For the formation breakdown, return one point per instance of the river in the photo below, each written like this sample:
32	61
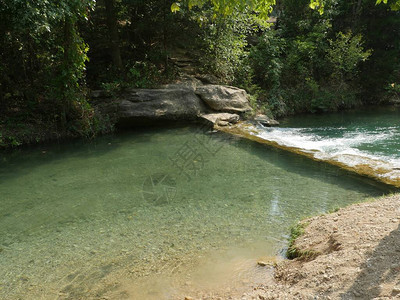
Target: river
161	213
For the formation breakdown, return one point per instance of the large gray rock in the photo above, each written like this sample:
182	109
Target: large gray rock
161	103
221	119
266	121
184	101
147	105
224	98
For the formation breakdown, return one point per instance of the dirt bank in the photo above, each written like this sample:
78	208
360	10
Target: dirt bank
355	254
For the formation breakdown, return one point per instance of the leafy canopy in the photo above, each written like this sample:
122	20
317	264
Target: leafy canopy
263	7
394	5
319	4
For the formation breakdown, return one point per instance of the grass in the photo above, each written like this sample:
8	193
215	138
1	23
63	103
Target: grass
295	232
293	251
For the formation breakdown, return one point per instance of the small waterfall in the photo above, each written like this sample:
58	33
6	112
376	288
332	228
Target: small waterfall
364	151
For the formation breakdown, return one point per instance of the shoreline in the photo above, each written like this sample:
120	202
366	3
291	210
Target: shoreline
35	135
356	255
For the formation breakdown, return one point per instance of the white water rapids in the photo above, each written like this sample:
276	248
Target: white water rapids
349	147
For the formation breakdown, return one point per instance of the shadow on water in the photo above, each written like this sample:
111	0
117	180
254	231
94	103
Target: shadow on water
25	159
381	266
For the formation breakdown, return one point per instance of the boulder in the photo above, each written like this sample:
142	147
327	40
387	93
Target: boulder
175	103
188	100
223	123
221	119
147	105
224	98
265	121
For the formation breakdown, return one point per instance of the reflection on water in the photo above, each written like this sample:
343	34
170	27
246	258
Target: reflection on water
154	213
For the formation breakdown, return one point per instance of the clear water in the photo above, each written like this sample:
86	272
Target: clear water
154	214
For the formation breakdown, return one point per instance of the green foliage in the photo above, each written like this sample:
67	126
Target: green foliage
295	232
344	55
394	5
304	66
314	60
143	75
45	65
224	44
6	141
293	251
393	92
223	7
266	60
139	75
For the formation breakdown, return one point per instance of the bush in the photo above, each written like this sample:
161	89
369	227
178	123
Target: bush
303	66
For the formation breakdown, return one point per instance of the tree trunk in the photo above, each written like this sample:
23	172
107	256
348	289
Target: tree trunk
165	10
357	10
65	87
113	32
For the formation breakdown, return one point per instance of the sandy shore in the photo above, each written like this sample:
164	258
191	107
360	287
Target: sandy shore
353	253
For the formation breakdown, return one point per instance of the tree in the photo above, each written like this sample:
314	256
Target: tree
263	7
44	60
113	32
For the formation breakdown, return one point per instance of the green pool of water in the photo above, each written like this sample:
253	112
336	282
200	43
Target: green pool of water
131	216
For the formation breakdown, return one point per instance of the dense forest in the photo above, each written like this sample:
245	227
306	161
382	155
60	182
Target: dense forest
291	56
